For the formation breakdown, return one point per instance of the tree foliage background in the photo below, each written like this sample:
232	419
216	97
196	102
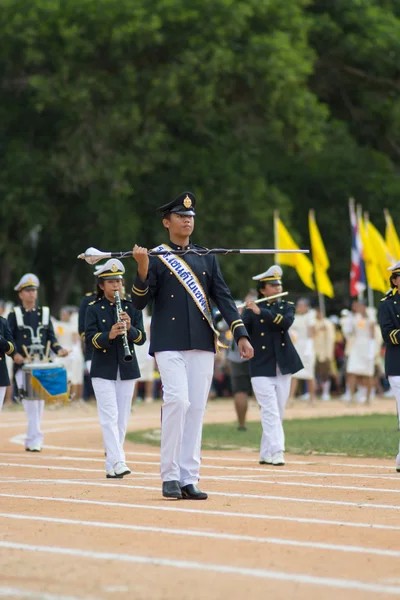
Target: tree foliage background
109	108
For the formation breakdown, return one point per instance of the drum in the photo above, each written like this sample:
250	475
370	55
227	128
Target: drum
45	381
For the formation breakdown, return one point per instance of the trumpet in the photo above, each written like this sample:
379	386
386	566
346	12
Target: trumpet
127	351
265	299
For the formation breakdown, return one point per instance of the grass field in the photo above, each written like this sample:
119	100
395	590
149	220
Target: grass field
369	435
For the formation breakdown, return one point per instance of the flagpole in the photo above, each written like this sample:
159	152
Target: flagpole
359	217
276	217
321	298
370	293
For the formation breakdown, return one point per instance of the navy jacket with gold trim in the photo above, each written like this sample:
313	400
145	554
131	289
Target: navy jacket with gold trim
389	321
108	355
177	323
269	335
32	318
7	346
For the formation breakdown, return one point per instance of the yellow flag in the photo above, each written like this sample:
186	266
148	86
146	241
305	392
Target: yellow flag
300	262
382	255
374	274
320	258
391	238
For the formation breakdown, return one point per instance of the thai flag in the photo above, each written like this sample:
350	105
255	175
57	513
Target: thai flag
358	280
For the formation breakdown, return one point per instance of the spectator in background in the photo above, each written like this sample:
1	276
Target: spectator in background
66	330
360	365
146	362
324	343
338	364
302	335
240	374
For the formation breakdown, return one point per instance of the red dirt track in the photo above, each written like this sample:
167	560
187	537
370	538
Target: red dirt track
320	527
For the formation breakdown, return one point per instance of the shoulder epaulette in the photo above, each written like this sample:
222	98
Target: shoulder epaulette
93	302
289	302
388	294
89	294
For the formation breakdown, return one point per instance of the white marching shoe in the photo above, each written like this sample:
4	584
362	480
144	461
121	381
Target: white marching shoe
121	469
34	448
278	459
265	460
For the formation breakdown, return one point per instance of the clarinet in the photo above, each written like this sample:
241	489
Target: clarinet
127	352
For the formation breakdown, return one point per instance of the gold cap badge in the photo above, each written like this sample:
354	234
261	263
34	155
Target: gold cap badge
277	273
187	203
114	268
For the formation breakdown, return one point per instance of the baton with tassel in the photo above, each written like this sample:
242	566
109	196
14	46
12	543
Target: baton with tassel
93	255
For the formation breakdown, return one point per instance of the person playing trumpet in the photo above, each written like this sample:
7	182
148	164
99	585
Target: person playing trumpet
113	376
274	362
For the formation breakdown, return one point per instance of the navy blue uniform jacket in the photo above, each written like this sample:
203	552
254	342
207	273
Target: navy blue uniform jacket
269	335
22	336
177	323
7	346
389	321
87	348
108	354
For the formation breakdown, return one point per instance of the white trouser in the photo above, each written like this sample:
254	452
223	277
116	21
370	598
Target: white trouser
186	378
394	381
2	395
34	413
114	402
272	394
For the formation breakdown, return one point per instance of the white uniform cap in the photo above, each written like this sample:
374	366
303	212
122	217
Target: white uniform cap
29	280
395	268
112	269
272	275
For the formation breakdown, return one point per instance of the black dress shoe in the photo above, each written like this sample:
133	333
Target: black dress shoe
171	489
192	492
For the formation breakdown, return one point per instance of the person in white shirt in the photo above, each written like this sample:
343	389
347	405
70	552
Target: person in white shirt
302	334
66	330
360	365
324	344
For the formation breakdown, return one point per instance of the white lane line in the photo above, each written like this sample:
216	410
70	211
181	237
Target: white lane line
126	486
230	459
298	578
255	470
177	509
45	422
210	535
19	440
225	478
266	471
9	592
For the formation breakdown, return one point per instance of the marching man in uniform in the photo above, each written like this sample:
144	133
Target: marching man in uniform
113	376
33	332
389	321
183	340
274	362
7	347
